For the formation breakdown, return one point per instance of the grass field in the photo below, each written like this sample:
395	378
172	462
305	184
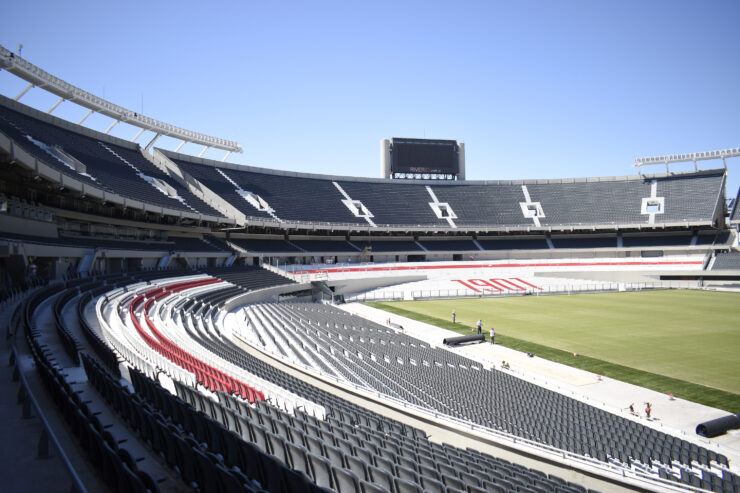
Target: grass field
681	342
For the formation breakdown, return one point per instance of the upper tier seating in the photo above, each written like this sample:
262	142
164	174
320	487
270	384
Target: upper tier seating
292	198
476	204
727	260
610	201
118	168
210	177
735	212
394	203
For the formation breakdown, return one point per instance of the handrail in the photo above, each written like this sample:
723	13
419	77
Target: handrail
30	399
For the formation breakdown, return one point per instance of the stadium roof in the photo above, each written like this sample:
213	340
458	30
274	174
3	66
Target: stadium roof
37	77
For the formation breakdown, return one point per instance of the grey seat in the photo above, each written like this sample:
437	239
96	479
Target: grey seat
452	482
259	436
320	471
429	472
276	446
470	479
314	445
297	458
383	463
381	477
403	486
334	455
432	485
408	462
493	487
357	466
345	481
367	487
407	474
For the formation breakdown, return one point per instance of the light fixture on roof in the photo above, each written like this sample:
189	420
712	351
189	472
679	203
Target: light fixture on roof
722	154
37	77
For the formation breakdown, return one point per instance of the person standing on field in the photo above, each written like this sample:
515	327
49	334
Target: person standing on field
479	325
492	333
453	315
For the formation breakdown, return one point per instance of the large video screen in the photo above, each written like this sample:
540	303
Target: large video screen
424	156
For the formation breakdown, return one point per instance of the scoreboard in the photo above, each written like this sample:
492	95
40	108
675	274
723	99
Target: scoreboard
421	158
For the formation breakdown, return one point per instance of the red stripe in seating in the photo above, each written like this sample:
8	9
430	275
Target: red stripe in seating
210	377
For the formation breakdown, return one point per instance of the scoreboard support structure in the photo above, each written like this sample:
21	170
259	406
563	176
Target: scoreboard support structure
422	159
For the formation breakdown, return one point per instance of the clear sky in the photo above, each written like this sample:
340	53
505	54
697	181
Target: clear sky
535	89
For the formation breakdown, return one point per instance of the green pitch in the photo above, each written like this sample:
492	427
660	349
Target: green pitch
687	336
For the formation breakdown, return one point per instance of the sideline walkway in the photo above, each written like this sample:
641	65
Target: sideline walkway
31	474
676	417
24	470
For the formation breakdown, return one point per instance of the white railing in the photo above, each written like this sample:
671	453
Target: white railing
400	295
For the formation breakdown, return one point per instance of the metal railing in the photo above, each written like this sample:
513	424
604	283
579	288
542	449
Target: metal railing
427	294
31	407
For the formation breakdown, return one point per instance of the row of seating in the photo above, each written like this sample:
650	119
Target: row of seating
353	247
289	453
382	360
727	261
112	461
688	197
182	439
113	165
211	377
346	442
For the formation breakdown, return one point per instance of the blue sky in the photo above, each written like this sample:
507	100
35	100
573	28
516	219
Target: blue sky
535	89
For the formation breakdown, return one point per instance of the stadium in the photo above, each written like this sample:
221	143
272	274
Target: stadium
180	323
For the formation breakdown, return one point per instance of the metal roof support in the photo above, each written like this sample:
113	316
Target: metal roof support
180	146
138	135
24	91
205	148
683	158
35	76
55	106
115	122
151	142
226	157
90	112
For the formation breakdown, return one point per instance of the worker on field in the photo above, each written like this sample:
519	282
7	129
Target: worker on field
492	333
453	315
479	325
